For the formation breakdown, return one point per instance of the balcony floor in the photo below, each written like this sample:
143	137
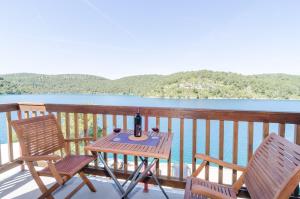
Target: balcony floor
19	184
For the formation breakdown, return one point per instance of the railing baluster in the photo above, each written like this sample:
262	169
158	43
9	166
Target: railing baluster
85	130
250	140
67	118
265	129
221	149
235	148
26	114
125	158
181	152
58	118
9	137
104	131
281	130
115	155
34	113
207	146
297	141
170	160
22	165
157	121
76	133
194	144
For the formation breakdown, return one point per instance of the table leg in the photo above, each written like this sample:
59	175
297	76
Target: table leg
111	174
134	174
134	182
146	189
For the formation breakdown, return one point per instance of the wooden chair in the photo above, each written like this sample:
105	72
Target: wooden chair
272	173
39	138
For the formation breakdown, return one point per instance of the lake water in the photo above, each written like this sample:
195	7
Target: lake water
262	105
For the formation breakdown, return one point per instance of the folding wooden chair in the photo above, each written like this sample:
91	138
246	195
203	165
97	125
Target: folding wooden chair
39	138
272	173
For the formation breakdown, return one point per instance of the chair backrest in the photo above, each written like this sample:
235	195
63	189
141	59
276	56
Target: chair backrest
39	135
274	170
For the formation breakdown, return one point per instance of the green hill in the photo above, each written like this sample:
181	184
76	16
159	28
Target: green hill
194	84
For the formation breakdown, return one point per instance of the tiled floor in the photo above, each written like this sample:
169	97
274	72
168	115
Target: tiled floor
17	184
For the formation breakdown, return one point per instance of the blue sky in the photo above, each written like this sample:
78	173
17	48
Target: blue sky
120	38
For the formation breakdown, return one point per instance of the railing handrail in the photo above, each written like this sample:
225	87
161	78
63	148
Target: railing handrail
187	113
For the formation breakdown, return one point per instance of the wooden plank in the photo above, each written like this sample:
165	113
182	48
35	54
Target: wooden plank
58	118
235	148
67	118
170	159
9	137
265	129
207	146
221	150
85	129
281	130
181	147
76	133
115	155
188	113
250	140
194	145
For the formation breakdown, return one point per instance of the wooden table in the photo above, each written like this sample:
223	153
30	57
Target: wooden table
144	152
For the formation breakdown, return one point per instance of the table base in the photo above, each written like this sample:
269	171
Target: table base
135	177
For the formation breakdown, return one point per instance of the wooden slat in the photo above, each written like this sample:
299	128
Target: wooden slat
281	130
67	118
9	137
265	129
76	133
181	147
58	118
207	146
85	129
114	117
170	160
235	148
250	140
221	149
194	145
297	141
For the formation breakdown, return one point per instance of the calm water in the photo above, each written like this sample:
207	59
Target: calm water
262	105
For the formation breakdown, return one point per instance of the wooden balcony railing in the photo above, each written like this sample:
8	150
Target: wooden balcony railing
88	122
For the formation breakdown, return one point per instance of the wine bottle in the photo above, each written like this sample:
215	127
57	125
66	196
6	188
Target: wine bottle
138	125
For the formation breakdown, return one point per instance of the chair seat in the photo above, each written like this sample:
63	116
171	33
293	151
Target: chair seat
198	188
69	165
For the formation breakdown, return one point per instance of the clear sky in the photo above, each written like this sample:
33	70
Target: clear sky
119	38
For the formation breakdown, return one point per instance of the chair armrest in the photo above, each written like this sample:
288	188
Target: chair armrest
79	139
204	191
40	157
220	162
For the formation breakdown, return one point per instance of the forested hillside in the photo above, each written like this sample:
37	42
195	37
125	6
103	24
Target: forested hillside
195	84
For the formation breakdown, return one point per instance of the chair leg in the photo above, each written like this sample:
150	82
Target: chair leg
45	192
87	181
